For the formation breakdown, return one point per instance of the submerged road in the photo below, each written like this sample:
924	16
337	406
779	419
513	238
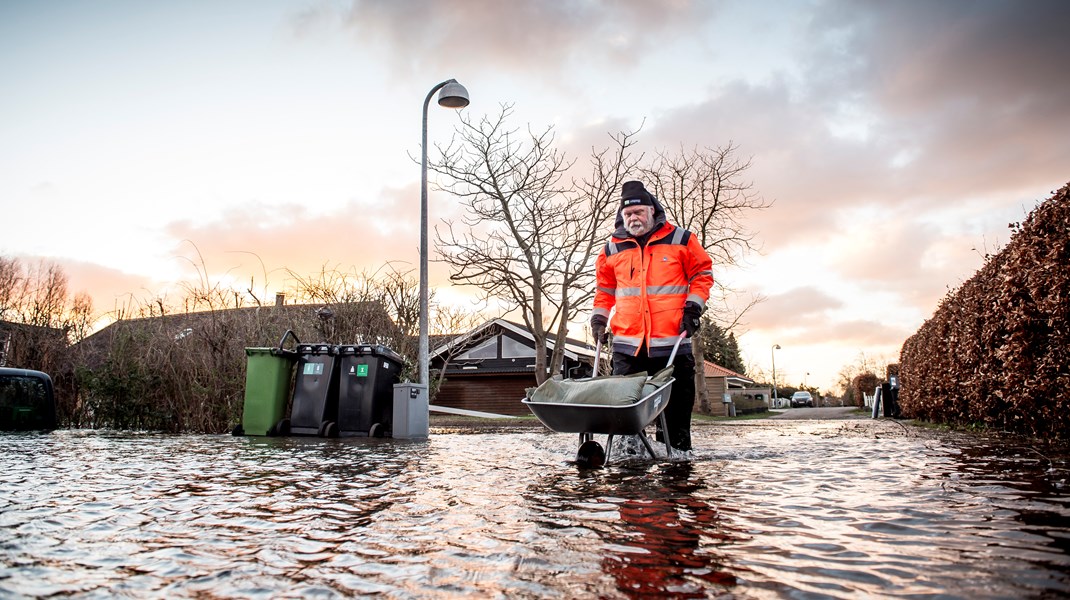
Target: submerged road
821	413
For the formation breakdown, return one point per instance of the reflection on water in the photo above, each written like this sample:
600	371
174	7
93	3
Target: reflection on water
799	509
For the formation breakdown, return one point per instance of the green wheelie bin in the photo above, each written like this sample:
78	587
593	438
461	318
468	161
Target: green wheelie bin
268	374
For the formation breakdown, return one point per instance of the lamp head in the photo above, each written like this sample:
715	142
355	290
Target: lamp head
453	95
776	347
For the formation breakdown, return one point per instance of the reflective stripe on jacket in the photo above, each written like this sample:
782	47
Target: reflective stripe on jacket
646	288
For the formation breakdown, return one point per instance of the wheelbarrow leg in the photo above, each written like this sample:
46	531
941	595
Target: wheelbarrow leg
665	434
609	447
646	442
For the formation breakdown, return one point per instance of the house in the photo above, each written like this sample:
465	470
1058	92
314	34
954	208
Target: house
722	383
356	322
31	346
489	368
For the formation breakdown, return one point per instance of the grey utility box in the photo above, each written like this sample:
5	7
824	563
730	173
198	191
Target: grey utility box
410	411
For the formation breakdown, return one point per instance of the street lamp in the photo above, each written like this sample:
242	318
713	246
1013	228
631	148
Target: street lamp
453	95
773	354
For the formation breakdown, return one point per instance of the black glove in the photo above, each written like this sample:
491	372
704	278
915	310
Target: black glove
692	320
598	329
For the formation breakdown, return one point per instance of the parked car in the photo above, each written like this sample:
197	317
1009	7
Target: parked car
27	401
802	399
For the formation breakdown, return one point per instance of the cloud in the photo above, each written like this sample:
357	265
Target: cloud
975	93
527	35
797	307
110	289
268	245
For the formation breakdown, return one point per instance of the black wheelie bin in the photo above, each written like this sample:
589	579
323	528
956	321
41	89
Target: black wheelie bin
315	403
367	374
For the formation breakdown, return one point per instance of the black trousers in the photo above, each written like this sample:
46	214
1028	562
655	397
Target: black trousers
682	398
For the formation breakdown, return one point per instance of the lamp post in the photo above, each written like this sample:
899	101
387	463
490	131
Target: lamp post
453	95
773	354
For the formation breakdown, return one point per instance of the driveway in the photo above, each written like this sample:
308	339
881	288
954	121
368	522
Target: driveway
824	412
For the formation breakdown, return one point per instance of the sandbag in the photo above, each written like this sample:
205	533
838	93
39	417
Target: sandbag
613	390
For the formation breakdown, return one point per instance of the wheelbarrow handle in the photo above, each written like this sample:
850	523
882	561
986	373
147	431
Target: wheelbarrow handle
676	347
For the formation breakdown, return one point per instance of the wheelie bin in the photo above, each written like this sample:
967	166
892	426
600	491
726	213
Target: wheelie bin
268	374
366	389
315	403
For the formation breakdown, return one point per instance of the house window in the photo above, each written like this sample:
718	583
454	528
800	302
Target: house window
488	349
513	349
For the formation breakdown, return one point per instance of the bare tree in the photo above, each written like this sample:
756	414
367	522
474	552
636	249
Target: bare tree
706	192
11	286
530	234
370	306
37	295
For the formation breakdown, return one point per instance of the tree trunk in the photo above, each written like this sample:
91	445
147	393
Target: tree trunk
701	392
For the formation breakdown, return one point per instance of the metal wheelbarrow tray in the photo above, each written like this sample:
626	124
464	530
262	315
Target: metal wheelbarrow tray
590	419
625	419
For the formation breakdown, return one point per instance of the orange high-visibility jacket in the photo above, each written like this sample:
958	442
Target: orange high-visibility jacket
646	288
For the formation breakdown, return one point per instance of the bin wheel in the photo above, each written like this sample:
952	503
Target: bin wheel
591	455
330	429
376	430
282	427
323	426
238	430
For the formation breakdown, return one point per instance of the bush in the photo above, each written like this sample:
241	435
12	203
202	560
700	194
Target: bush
997	350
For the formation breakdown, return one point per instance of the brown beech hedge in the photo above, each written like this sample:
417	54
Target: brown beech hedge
996	350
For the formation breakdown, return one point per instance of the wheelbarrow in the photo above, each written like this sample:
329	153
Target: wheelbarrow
589	419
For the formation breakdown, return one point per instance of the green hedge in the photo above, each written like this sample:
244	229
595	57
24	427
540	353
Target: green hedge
996	351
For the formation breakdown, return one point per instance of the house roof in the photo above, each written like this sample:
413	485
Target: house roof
179	320
300	318
573	348
715	370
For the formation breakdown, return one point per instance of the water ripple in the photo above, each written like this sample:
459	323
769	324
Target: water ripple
798	509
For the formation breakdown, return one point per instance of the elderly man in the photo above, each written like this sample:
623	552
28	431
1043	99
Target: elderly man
655	279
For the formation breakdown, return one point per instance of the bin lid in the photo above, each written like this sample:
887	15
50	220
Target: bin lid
321	348
272	351
373	349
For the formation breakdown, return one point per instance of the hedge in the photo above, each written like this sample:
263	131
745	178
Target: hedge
996	350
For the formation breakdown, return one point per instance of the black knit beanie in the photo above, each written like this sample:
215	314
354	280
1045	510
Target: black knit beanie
633	193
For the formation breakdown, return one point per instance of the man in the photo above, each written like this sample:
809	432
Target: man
655	278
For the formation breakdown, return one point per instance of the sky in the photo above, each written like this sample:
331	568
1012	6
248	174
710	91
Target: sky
145	144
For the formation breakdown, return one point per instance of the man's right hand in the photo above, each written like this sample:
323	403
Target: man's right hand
598	329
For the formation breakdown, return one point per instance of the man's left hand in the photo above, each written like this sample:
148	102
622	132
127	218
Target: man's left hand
692	319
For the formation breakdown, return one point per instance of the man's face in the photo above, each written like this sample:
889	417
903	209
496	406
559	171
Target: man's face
638	219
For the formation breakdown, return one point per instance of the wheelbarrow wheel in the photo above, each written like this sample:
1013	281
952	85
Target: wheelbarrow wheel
591	455
330	430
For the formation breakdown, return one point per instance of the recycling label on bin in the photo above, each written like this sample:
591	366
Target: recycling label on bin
313	369
359	370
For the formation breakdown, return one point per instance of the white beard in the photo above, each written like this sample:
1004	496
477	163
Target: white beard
635	228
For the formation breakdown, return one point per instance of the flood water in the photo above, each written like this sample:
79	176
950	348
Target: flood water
765	509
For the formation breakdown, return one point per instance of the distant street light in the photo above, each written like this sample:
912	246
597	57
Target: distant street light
773	353
453	96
